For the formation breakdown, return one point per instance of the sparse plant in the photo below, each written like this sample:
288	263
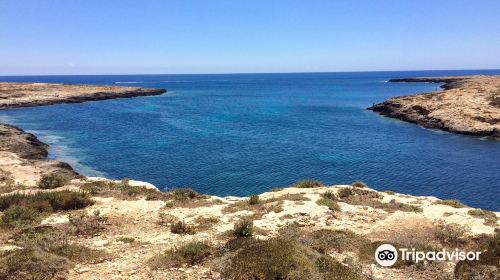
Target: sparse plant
332	205
243	228
345	192
181	227
254	200
490	218
205	223
330	195
84	224
191	253
32	264
166	219
58	200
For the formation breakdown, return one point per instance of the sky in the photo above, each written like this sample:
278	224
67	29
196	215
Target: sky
50	37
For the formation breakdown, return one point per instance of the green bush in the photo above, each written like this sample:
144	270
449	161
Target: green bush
253	200
330	195
332	205
243	228
452	202
359	184
191	253
31	264
280	258
308	184
53	180
58	200
18	215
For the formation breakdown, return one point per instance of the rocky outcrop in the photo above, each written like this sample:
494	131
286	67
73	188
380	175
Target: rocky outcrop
15	95
468	105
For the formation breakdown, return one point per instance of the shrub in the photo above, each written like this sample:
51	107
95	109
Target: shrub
32	264
181	227
329	194
452	235
277	189
191	253
243	228
359	184
452	202
280	258
253	200
332	205
58	200
53	180
487	267
345	192
325	240
20	216
308	184
84	224
184	193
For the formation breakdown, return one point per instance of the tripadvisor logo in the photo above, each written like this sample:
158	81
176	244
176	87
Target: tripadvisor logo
387	255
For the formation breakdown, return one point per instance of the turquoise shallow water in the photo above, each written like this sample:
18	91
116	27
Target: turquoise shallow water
241	134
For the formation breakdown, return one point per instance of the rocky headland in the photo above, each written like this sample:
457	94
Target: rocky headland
57	224
15	95
467	105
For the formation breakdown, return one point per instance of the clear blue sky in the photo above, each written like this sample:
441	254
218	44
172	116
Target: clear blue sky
189	36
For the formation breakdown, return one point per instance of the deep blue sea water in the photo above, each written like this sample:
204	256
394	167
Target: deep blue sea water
240	134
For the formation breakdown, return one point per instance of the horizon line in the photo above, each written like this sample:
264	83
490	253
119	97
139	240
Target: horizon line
249	73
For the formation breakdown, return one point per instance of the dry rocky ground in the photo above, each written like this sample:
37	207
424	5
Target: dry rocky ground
468	105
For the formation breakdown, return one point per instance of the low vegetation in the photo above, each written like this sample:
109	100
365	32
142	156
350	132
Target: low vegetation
487	267
53	180
452	202
254	200
451	235
331	204
490	218
188	254
88	225
180	227
306	184
282	258
243	228
364	197
25	209
46	254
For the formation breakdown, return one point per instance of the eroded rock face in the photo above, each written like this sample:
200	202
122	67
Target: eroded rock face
468	105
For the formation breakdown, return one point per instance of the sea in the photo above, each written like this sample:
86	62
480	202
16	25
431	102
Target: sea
243	134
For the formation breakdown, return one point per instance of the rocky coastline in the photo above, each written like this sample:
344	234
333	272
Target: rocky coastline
97	228
467	105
